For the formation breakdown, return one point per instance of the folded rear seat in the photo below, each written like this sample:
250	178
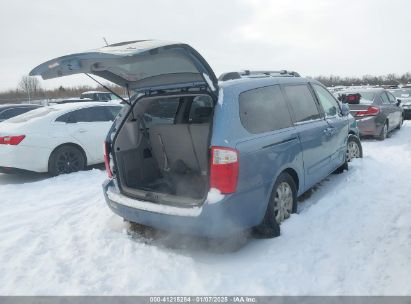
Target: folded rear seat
186	142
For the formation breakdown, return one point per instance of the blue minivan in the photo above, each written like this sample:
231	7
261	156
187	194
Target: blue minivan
197	155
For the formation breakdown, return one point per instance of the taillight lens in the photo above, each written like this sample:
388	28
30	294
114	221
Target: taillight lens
107	159
224	169
371	111
11	140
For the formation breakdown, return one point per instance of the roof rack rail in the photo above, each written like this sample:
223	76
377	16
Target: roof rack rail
256	74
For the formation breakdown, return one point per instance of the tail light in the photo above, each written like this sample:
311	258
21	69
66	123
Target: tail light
371	111
107	159
11	140
224	169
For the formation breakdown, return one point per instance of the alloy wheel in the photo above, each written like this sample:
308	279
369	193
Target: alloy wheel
353	150
283	202
68	161
385	130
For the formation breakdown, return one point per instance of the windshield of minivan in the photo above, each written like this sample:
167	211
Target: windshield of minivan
32	115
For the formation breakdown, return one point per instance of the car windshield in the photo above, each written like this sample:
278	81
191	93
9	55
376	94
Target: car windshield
404	93
32	115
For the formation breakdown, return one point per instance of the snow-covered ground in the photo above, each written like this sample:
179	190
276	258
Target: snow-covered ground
352	236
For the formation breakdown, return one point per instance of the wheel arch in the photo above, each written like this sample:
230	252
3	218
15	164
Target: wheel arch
72	145
294	175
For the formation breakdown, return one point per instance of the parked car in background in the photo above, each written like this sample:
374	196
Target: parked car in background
376	110
199	156
404	95
69	100
56	139
10	110
98	96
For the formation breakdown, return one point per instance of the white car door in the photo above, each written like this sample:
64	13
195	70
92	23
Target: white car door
89	126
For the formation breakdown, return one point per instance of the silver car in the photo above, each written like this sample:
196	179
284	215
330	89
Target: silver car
376	110
404	94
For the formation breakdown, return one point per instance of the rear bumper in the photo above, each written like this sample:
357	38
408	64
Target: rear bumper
369	126
24	158
234	213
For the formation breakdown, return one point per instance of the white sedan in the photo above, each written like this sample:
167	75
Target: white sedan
56	139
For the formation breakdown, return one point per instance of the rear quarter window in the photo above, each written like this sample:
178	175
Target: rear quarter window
92	114
263	110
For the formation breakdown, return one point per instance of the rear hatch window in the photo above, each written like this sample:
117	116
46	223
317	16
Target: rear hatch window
361	97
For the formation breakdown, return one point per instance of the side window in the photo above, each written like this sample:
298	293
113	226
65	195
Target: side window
391	98
64	118
327	101
113	111
384	98
104	96
93	114
263	110
302	102
13	112
201	109
161	111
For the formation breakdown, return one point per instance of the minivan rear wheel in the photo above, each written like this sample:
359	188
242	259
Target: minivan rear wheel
354	148
283	202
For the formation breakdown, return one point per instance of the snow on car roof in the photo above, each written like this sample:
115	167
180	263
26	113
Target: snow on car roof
56	109
94	92
17	105
81	104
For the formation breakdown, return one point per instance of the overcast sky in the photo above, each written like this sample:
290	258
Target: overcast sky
317	37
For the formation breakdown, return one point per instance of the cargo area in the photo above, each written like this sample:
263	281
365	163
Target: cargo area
162	149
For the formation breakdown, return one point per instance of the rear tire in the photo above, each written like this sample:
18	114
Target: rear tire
354	148
401	122
384	132
283	202
66	159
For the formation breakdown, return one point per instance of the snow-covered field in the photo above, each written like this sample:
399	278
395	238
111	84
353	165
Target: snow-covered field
352	236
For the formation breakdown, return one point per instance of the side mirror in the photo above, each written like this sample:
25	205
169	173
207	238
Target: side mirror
398	102
345	109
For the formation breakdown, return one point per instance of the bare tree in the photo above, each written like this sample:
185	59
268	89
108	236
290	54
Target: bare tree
30	85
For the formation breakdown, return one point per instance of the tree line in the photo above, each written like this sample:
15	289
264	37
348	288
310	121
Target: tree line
389	79
30	88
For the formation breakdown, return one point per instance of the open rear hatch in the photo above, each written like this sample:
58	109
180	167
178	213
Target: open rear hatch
161	146
139	65
162	149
